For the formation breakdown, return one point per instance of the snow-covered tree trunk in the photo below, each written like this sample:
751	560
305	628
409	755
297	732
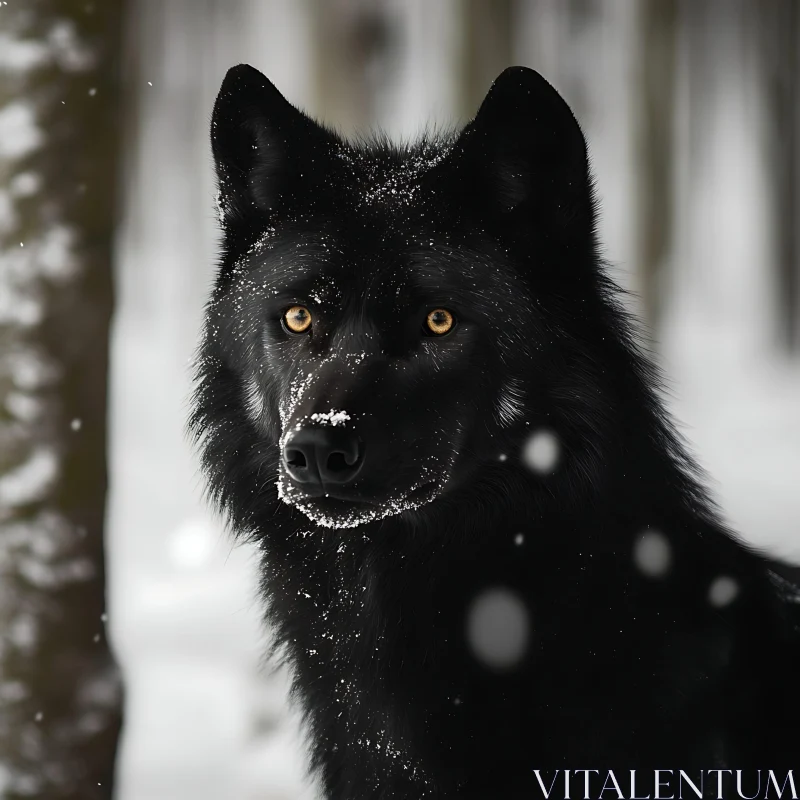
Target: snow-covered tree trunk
59	691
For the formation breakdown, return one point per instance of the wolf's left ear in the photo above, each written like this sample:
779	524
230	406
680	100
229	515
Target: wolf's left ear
265	150
526	145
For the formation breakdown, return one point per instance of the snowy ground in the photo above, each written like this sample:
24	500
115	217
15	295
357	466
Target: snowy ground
203	720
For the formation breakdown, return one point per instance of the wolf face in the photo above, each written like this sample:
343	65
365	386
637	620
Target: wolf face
392	332
391	318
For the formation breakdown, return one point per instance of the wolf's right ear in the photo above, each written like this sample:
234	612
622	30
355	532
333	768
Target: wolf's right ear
527	151
265	150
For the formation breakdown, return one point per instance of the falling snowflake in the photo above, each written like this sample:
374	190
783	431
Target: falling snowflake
723	591
652	554
542	452
498	628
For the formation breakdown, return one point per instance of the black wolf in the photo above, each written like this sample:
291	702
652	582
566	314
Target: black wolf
485	549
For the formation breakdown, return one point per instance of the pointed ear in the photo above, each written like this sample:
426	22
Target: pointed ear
262	145
527	147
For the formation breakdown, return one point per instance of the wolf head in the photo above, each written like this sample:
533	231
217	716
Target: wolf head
392	324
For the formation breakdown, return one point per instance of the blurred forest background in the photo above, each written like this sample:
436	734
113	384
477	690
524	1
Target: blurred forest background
107	246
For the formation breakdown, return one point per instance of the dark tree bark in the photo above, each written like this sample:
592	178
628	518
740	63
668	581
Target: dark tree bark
354	42
487	49
654	85
779	23
59	133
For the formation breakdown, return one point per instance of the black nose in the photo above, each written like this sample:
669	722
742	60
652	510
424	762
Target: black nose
323	456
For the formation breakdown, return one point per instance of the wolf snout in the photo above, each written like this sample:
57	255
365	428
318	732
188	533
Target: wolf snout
323	456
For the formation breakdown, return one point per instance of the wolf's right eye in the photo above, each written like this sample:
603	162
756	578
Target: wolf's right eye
297	319
439	321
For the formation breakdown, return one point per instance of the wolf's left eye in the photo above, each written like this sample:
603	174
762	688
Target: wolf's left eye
297	319
439	321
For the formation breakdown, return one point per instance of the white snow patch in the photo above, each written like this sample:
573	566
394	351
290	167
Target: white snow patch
25	184
219	201
53	576
68	51
50	257
395	185
263	242
21	632
31	480
55	252
30	372
23	310
332	418
61	46
23	406
19	134
13	692
21	55
359	516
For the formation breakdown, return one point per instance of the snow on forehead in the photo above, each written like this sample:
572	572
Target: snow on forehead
274	262
391	179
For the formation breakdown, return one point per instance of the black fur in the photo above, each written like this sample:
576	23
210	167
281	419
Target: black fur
497	223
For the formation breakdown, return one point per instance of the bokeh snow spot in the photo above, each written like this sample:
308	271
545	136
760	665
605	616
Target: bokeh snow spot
498	628
652	554
519	539
723	591
541	452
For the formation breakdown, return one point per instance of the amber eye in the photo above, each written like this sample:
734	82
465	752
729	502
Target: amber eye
297	319
440	321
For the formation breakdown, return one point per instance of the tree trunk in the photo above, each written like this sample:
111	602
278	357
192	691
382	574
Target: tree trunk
779	22
487	48
59	687
352	38
655	89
